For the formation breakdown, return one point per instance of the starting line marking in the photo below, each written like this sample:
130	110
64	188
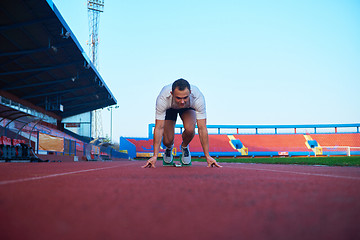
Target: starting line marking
300	173
58	174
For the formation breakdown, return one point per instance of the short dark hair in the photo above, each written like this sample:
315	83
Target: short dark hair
181	84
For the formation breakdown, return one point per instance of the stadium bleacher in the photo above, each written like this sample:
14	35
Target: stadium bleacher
271	144
142	145
46	77
338	139
260	144
339	143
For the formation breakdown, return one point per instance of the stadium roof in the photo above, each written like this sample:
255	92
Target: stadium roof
42	62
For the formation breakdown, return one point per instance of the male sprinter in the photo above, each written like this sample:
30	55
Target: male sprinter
187	101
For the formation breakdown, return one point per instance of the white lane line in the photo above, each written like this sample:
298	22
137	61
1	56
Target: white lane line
58	174
300	173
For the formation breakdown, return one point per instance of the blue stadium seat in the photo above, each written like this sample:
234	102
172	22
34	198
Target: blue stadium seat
312	143
237	143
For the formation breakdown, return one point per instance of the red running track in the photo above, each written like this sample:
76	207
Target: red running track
120	200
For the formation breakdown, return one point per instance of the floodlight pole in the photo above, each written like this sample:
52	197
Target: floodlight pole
95	7
111	108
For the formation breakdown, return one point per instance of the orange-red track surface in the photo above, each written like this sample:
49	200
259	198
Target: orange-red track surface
120	200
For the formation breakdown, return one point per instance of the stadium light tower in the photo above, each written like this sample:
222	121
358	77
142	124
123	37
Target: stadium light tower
110	109
95	7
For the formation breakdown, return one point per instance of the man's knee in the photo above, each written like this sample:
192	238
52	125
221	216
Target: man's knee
168	139
169	133
190	129
189	121
168	142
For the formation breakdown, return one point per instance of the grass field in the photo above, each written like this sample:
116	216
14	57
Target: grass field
353	161
329	161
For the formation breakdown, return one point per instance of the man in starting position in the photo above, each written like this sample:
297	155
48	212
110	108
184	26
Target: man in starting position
187	101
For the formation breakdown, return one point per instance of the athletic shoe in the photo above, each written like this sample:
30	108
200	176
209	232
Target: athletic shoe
168	157
185	156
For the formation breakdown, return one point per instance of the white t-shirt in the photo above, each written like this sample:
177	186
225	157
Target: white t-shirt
165	101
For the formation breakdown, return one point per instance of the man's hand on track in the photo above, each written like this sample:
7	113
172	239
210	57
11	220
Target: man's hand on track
212	162
150	163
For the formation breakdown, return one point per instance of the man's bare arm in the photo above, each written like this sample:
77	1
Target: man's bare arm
204	139
158	133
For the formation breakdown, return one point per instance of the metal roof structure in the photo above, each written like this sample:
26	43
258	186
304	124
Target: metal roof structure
41	61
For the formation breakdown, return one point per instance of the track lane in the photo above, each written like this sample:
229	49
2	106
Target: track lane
124	201
274	168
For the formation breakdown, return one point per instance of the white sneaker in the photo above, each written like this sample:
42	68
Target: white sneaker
168	157
186	156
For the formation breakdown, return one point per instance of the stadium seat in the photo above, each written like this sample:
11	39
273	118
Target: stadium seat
1	151
338	139
7	149
237	143
18	148
312	143
260	144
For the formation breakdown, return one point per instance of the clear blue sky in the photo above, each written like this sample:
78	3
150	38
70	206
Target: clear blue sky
257	62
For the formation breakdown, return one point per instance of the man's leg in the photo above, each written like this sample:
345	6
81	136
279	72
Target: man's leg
189	122
168	141
169	133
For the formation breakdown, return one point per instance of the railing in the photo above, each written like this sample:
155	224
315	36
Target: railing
272	129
